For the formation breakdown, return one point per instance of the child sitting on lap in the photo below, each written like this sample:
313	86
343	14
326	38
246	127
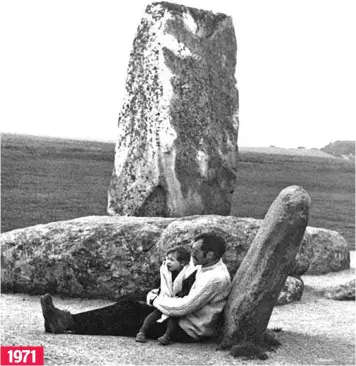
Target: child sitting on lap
176	268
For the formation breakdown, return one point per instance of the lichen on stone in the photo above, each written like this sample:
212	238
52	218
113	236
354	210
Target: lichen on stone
180	99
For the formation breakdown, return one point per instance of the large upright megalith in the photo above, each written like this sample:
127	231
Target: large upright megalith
177	142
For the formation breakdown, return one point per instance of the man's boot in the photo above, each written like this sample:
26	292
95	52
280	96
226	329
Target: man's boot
56	320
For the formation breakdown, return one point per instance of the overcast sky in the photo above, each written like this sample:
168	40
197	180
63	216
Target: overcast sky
63	67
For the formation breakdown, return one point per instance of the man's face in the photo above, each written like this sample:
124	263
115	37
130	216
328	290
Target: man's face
198	255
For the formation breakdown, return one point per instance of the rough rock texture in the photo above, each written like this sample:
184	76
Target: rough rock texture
104	256
345	291
292	291
177	138
321	251
87	257
327	250
237	232
260	278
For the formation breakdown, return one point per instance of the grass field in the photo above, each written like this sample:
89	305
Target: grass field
47	179
329	181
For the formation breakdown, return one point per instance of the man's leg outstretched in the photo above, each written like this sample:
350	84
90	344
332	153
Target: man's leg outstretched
123	318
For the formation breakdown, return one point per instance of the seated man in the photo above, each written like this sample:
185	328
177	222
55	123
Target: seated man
198	312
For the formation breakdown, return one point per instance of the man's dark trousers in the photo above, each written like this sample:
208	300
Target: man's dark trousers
123	318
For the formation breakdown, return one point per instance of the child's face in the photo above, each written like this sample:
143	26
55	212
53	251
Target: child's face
172	262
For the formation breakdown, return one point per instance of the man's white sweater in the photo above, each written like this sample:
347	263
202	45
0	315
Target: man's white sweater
200	309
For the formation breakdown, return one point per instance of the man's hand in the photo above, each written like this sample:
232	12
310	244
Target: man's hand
151	296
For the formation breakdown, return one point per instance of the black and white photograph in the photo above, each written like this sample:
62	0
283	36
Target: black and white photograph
177	182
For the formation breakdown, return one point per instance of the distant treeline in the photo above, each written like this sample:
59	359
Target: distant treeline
339	148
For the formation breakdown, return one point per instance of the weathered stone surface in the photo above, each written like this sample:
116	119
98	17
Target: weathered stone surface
106	256
327	251
237	232
109	256
86	257
260	278
344	291
321	251
292	291
301	259
177	139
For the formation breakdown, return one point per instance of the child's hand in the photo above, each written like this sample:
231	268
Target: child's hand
151	296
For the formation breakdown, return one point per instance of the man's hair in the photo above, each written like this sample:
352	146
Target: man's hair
212	242
182	252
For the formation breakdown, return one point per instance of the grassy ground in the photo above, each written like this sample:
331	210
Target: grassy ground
315	331
330	183
45	180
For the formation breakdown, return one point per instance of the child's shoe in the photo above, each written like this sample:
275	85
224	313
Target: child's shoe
165	340
141	337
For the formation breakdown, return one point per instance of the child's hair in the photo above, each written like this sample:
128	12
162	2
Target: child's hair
182	253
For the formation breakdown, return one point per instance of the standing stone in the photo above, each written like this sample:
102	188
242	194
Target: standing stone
265	267
177	137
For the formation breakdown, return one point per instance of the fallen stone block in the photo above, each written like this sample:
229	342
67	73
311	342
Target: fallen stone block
111	256
344	291
327	251
292	291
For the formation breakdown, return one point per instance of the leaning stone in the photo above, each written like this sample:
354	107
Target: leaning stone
177	138
345	291
292	291
265	267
